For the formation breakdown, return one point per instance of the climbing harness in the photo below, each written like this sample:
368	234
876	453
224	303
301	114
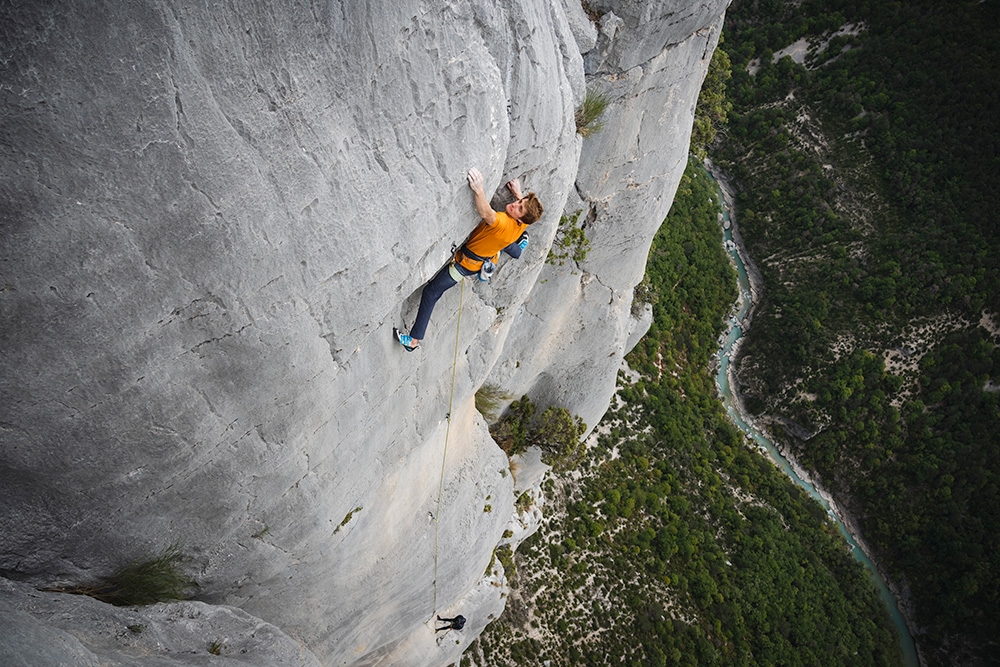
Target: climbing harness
464	249
488	267
447	436
455	274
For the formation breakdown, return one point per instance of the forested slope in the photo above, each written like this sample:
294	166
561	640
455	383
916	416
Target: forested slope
677	544
868	174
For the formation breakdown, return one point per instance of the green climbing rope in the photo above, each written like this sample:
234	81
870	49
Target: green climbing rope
447	435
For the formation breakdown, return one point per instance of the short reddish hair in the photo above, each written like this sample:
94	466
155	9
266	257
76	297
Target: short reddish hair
532	209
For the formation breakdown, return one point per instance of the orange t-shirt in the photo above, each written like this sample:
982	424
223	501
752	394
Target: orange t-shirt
489	240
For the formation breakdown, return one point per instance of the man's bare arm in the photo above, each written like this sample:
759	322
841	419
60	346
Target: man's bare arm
487	213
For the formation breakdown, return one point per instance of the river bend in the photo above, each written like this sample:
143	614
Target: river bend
730	343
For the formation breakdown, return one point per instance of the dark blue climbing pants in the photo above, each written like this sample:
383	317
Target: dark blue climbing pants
440	284
433	290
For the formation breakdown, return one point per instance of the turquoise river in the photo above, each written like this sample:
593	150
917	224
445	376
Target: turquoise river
765	445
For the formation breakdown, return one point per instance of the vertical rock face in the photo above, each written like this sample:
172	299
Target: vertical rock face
569	336
212	217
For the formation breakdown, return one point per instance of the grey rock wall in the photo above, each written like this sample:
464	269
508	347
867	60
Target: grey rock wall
568	337
42	628
211	217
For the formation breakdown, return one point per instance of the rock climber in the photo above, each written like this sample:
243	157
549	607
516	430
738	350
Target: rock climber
456	623
499	230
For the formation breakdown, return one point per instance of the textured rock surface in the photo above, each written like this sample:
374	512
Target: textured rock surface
41	629
569	335
213	215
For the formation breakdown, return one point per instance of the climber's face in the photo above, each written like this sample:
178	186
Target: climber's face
516	209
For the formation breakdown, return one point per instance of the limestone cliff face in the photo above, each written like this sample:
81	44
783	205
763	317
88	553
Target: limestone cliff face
212	216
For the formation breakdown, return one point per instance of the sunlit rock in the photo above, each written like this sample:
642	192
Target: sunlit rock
214	215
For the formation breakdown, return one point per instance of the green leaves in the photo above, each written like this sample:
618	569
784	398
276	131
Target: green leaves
588	115
713	105
556	432
867	183
676	544
571	242
142	581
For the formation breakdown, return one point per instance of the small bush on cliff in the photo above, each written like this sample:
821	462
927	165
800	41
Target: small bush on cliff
556	432
513	431
642	294
489	398
571	241
148	581
505	555
588	115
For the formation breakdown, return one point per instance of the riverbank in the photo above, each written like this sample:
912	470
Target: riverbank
892	595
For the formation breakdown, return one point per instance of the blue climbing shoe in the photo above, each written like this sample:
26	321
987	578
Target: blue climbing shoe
405	340
522	242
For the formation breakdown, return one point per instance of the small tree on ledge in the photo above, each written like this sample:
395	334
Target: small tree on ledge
556	432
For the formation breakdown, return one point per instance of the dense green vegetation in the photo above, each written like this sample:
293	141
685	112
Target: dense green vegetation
867	177
680	545
556	432
929	471
713	107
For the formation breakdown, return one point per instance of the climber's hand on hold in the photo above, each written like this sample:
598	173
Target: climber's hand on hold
476	180
488	215
514	186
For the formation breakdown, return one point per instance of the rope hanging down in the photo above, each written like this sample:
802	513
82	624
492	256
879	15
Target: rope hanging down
447	435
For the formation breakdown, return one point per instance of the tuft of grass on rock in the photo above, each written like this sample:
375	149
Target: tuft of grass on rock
347	520
588	115
141	582
148	581
489	400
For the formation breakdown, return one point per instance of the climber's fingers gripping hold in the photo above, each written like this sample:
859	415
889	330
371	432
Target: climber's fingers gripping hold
475	180
515	188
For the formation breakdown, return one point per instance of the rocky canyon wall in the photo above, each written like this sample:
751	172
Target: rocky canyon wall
212	216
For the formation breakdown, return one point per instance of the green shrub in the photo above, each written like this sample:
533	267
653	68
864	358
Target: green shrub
506	557
558	435
157	579
489	400
642	294
556	432
571	241
524	501
347	519
588	115
512	433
